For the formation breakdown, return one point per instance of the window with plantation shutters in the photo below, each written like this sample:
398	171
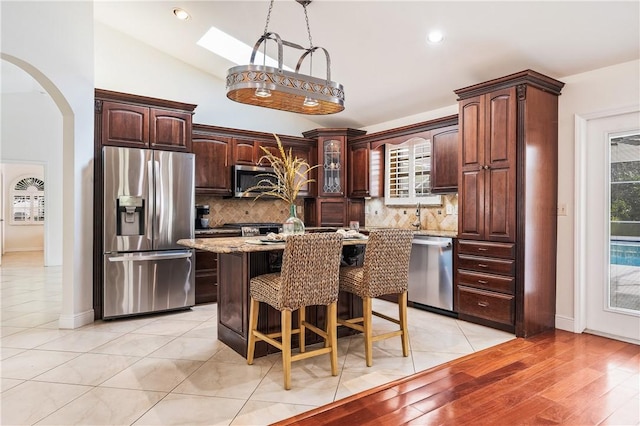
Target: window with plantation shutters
408	173
27	202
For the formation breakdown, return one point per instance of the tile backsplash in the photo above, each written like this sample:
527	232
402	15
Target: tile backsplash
234	210
434	218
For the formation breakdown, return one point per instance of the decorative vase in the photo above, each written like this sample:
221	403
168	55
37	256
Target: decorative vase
293	225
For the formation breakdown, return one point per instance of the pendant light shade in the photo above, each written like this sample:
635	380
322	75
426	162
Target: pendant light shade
277	88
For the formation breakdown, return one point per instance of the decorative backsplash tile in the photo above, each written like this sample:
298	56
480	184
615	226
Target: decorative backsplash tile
433	218
233	210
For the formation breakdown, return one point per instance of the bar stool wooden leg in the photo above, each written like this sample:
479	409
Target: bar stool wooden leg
332	336
253	325
302	317
402	308
286	347
368	330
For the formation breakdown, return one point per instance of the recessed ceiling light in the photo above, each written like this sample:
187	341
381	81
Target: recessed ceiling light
181	14
435	37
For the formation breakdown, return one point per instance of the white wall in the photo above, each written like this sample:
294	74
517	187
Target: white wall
126	65
600	90
20	237
53	41
32	133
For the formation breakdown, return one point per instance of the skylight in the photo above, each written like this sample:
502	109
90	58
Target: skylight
232	49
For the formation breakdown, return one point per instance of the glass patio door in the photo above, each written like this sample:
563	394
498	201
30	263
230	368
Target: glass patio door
613	227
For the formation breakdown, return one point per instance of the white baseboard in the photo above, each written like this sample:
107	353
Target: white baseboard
566	324
72	321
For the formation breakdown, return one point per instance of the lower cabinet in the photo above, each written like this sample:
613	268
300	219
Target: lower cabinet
485	277
206	277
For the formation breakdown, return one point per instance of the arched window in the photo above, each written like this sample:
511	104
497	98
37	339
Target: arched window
27	196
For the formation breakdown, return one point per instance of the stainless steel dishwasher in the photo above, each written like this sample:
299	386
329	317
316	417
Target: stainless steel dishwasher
431	272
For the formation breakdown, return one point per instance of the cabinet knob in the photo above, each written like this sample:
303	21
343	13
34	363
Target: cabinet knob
486	167
483	304
483	282
482	265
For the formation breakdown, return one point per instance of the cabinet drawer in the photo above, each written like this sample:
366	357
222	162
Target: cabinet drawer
486	248
483	304
206	260
484	264
486	281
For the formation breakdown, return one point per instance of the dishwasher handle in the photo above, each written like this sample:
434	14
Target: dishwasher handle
423	242
157	256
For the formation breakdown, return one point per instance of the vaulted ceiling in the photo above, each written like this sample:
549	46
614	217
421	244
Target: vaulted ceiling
379	50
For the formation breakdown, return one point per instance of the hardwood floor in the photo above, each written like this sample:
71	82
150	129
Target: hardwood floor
556	377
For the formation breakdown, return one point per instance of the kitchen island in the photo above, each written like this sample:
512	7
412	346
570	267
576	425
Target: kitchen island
240	259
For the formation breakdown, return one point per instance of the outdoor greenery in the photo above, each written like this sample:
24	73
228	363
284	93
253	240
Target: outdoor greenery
625	191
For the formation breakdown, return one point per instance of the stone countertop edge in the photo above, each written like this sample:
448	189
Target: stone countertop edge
225	245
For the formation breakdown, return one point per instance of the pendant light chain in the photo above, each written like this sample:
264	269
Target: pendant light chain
306	17
266	26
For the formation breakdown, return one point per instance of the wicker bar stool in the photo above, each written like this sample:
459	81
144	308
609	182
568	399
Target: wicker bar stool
385	271
309	276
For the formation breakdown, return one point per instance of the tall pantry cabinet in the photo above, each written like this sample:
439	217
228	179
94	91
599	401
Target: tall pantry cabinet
507	183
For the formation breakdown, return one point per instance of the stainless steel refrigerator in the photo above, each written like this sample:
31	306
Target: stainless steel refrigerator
149	199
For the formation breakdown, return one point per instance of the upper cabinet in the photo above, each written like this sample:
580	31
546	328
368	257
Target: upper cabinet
244	151
213	162
444	159
365	170
331	174
136	121
218	149
420	160
487	166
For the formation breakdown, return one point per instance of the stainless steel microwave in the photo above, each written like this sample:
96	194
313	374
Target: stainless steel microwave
247	177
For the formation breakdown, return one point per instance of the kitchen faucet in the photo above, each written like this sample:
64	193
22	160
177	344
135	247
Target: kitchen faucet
417	224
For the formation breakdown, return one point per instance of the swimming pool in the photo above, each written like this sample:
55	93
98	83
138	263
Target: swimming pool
625	253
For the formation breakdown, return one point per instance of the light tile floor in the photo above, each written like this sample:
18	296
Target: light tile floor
171	369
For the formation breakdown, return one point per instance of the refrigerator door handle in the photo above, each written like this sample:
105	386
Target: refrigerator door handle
144	258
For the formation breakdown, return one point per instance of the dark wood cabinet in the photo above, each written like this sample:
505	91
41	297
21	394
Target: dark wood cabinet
330	207
169	130
244	152
365	170
213	162
488	166
444	160
331	212
507	186
141	122
355	211
125	125
206	277
358	169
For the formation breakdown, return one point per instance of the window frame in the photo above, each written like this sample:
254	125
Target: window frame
415	147
34	197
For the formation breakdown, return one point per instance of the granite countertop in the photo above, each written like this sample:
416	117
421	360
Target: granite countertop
218	231
241	244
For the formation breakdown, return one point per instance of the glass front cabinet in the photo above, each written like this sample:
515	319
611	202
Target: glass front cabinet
332	178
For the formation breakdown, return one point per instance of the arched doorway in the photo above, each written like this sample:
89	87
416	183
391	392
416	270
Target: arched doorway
53	147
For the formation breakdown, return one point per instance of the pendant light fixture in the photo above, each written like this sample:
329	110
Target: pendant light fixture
277	88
